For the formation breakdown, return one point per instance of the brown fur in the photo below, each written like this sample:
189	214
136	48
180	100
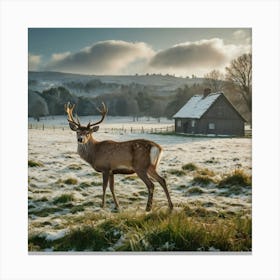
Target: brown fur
110	157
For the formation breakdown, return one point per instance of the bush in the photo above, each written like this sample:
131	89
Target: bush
189	167
236	178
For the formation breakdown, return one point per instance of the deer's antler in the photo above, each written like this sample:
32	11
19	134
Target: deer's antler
69	110
103	111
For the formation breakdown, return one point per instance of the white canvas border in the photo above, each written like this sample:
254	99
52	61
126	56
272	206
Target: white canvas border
17	16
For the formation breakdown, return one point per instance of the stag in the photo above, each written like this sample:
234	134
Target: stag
138	156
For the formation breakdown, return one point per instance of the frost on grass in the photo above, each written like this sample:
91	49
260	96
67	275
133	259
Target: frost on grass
189	229
209	193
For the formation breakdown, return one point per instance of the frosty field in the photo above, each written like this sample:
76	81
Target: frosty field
64	194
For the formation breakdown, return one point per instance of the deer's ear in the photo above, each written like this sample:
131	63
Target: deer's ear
73	126
94	129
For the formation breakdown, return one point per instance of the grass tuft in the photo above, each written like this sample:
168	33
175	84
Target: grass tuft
85	185
70	181
44	212
195	191
64	198
211	161
32	163
74	167
77	208
189	167
176	172
42	199
206	172
237	178
202	180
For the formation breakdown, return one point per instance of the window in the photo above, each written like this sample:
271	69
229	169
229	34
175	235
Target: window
193	123
179	123
211	126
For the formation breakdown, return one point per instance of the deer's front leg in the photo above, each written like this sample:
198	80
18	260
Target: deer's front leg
112	188
105	183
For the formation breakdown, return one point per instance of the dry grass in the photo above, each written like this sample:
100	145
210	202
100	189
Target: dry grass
237	178
189	229
32	163
189	167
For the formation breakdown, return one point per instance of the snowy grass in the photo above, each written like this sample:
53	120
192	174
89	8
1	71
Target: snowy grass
64	196
185	230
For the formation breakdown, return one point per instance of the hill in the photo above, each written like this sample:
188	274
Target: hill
93	85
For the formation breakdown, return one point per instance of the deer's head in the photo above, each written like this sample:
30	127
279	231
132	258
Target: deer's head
83	132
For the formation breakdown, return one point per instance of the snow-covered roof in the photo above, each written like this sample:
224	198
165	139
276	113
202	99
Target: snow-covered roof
197	106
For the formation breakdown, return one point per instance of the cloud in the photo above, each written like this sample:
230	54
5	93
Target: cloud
190	54
105	57
33	62
239	34
114	57
60	56
243	36
197	57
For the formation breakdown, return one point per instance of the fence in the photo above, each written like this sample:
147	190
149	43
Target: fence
123	129
248	132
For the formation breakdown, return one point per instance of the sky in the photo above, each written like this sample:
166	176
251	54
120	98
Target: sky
130	51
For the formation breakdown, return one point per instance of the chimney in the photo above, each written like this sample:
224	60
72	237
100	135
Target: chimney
206	92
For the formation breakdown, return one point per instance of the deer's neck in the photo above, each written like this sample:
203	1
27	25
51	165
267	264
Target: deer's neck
87	151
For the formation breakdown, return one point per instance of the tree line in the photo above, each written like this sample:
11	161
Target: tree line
136	104
142	101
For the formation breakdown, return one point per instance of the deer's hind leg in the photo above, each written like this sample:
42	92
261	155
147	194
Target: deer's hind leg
144	177
153	174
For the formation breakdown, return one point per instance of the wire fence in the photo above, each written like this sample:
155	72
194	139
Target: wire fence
123	129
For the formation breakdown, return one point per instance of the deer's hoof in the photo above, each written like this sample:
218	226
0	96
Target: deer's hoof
148	208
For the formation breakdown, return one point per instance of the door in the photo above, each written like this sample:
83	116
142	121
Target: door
186	127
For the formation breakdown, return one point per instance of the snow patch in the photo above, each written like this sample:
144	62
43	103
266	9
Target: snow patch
51	236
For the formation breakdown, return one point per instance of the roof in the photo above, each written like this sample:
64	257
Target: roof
197	106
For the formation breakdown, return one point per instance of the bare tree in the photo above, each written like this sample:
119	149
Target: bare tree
239	73
214	80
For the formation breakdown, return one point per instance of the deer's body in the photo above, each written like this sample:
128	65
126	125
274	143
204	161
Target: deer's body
138	156
120	157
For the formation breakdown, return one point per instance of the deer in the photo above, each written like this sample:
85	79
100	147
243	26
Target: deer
109	157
